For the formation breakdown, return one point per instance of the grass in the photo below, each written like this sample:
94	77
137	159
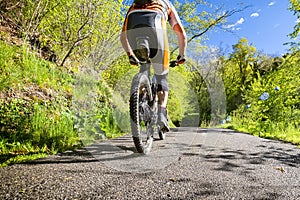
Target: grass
287	133
18	63
35	119
12	153
41	112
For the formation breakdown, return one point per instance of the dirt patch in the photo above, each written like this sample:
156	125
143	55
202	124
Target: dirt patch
29	93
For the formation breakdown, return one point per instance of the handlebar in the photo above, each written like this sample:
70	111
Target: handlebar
172	64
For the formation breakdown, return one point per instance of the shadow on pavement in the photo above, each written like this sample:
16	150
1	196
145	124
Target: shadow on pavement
226	147
221	146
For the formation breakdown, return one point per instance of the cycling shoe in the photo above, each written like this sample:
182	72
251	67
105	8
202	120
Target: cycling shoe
163	120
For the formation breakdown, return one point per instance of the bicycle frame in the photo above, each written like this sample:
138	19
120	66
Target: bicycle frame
149	106
144	102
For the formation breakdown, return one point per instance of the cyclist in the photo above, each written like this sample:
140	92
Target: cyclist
149	18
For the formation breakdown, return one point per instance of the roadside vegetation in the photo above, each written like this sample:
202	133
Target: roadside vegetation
271	102
64	78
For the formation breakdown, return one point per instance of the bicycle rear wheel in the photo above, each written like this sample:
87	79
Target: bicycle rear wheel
140	113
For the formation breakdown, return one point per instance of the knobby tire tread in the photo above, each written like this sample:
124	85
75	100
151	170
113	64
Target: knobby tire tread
138	80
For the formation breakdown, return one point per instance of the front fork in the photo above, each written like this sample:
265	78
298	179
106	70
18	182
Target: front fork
150	107
149	114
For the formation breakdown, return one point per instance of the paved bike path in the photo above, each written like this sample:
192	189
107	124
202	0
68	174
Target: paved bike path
190	164
121	155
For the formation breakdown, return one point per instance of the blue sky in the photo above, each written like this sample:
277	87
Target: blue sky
265	24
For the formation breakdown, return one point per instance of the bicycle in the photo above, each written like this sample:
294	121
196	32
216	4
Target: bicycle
144	105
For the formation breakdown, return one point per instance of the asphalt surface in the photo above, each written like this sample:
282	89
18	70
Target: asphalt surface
190	164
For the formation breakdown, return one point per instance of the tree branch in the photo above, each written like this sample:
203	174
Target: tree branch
214	23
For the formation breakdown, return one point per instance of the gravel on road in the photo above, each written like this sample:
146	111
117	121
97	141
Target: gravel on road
214	164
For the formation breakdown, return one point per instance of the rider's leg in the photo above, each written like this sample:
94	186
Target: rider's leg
162	82
160	63
163	98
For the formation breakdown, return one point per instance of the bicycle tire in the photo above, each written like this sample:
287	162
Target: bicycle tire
142	142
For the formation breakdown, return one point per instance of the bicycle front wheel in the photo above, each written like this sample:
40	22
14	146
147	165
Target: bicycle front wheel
140	113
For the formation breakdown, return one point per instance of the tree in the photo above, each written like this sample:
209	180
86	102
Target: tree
265	64
72	29
243	55
199	17
86	29
294	6
198	21
237	72
280	109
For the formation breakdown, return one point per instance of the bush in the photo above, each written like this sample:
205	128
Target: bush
272	104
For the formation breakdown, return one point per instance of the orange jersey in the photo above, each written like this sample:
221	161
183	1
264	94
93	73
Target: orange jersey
168	14
163	6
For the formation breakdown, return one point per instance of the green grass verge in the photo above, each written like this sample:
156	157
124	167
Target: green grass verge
38	113
288	134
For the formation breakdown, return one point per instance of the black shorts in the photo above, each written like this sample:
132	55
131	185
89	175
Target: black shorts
150	23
